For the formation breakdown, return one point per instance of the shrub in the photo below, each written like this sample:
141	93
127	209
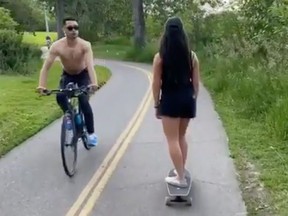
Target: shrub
141	55
14	56
6	21
116	40
277	119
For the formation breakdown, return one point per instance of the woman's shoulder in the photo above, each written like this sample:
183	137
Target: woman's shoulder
193	53
194	57
157	58
157	55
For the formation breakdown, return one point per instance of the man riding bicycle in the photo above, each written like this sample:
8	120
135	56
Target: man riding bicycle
77	60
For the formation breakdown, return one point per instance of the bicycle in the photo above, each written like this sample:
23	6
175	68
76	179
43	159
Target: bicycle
73	124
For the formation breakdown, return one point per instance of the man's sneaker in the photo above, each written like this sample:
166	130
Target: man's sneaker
92	140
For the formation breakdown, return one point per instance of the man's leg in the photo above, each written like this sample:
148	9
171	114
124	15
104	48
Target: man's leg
61	98
83	79
87	112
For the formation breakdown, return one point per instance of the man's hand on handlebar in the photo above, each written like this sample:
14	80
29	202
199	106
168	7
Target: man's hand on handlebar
93	88
41	90
90	89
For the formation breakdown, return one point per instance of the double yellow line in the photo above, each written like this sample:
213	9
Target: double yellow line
90	194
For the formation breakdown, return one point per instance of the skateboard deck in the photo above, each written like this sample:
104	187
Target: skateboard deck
179	195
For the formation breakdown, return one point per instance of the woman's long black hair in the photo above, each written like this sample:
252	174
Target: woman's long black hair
175	52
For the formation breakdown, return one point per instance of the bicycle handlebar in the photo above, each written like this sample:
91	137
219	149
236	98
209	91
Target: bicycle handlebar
69	90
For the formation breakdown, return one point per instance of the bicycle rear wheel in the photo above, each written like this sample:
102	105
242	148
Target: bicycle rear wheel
69	144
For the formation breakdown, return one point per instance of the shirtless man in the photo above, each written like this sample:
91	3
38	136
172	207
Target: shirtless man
77	60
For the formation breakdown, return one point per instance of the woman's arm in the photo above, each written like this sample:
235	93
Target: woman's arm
196	74
156	84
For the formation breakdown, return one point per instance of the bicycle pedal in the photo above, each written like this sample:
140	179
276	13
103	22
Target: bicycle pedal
66	145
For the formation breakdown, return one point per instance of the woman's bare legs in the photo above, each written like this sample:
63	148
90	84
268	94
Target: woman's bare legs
182	139
171	130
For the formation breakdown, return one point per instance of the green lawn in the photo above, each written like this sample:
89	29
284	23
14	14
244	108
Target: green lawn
39	39
23	112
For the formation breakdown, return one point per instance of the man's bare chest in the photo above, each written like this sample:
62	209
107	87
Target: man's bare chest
72	54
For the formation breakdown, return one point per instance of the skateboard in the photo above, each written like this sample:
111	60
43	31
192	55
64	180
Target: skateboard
179	195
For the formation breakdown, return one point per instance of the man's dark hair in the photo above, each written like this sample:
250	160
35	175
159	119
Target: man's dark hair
68	19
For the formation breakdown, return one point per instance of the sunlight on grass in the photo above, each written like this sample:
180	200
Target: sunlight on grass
39	39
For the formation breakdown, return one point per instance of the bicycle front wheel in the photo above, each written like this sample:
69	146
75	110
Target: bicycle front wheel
85	141
69	144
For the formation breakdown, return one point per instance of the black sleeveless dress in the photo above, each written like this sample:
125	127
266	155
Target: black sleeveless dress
177	101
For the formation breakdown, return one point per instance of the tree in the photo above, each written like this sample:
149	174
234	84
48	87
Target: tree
6	21
29	17
139	24
60	17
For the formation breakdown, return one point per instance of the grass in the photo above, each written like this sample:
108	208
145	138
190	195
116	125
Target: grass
248	142
253	108
39	39
22	112
260	161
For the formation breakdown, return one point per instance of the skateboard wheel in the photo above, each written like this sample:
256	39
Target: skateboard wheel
167	201
189	202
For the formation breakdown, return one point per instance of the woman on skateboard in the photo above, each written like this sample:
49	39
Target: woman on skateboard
176	76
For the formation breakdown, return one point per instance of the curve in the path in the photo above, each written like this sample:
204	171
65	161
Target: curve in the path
32	180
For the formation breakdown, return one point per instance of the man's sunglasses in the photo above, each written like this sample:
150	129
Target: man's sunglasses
70	28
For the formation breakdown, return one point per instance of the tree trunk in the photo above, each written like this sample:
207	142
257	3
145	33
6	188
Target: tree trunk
139	24
60	17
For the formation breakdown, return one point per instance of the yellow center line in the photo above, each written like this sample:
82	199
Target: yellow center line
95	186
88	207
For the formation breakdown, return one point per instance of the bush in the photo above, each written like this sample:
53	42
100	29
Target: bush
117	41
255	91
141	55
277	119
6	21
14	56
252	86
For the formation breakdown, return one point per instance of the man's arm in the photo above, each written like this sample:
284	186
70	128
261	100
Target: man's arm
90	64
46	66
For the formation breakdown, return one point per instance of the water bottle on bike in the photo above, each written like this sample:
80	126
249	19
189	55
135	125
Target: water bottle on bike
69	130
78	119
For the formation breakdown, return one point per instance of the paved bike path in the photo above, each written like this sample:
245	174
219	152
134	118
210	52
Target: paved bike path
137	186
32	179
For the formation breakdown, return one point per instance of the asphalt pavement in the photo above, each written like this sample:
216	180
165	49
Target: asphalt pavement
137	187
32	180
